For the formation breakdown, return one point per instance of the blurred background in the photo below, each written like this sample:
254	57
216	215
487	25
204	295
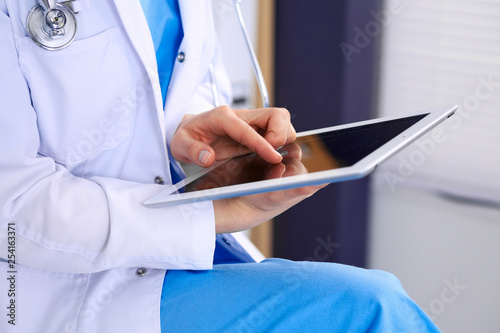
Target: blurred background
430	215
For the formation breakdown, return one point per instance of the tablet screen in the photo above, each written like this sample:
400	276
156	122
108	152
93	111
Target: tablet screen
310	153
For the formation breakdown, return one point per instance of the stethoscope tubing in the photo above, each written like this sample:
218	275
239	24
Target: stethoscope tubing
256	67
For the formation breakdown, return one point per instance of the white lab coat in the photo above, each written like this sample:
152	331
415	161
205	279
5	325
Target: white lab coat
83	137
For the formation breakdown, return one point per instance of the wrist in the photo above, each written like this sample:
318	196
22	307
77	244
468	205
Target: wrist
232	215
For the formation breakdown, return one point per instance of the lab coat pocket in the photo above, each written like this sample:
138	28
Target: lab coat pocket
80	96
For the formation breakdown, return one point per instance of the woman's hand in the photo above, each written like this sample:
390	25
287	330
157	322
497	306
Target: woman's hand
223	133
241	213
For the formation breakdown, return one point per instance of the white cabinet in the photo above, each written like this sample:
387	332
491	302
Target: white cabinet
446	254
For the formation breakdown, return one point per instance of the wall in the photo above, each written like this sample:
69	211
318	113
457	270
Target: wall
435	207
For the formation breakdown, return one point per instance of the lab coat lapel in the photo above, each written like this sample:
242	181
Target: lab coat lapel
137	29
193	15
186	75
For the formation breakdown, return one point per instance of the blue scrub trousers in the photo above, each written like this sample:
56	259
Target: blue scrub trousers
278	295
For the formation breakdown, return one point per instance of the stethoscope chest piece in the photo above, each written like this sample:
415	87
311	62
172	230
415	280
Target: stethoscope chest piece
52	28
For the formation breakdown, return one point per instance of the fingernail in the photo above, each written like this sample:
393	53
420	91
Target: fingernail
204	157
283	153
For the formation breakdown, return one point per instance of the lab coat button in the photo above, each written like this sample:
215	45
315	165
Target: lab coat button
181	57
159	180
141	272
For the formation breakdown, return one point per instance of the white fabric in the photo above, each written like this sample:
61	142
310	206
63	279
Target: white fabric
83	136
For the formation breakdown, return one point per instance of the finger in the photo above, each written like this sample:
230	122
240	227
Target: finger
275	121
190	150
229	148
280	131
291	151
275	171
240	131
294	168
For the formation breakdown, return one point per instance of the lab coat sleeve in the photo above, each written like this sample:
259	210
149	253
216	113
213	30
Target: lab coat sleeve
70	224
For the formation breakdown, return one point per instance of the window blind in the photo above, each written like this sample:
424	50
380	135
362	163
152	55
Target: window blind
436	53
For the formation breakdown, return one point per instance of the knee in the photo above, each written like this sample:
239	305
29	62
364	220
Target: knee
373	283
339	278
381	295
379	288
373	288
382	284
361	300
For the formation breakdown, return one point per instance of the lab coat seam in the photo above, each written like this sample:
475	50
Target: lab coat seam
82	301
34	272
52	246
107	37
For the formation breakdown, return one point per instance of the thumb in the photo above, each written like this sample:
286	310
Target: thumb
206	157
194	151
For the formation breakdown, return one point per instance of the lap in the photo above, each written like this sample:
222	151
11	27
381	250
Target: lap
283	296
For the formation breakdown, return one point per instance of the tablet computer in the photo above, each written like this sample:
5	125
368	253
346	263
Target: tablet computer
321	156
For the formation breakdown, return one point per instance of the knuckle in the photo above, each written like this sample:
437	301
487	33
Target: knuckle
284	113
281	139
192	150
224	110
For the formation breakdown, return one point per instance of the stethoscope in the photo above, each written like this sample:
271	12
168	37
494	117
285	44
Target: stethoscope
256	67
52	25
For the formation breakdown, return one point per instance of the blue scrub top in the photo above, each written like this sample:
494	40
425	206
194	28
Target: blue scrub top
165	25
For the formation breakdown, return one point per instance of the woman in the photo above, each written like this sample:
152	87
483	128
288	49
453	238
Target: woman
88	133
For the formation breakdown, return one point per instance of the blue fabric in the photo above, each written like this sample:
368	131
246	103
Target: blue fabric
229	251
164	21
176	172
284	296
